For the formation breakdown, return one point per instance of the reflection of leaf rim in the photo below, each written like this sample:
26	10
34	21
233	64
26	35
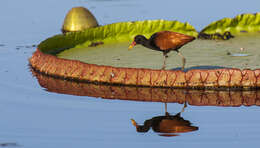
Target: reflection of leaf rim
240	23
150	94
117	32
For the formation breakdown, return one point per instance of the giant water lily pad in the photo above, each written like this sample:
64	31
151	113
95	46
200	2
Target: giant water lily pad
210	64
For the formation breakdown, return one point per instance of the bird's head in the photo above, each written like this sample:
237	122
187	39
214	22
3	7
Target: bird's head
141	128
139	39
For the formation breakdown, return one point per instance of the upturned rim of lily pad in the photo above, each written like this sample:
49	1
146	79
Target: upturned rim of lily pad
242	23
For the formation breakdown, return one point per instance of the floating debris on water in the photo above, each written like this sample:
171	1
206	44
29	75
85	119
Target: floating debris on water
11	144
25	46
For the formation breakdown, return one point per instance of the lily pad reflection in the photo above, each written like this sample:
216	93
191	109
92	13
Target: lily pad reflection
234	98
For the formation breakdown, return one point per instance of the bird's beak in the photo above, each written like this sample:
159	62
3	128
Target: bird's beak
132	45
134	123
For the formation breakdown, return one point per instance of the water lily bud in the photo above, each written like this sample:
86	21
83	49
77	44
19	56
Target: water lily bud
78	19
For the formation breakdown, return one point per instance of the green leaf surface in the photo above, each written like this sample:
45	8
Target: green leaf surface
241	23
117	32
240	52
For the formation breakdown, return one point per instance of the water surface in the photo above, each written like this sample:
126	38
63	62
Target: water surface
33	117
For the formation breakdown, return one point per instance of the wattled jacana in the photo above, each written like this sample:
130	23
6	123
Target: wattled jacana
164	41
167	125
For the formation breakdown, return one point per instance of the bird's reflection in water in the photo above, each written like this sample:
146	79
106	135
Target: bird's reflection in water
167	125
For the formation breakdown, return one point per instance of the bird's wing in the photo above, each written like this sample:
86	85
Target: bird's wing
171	40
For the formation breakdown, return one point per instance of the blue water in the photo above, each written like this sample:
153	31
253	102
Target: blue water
32	117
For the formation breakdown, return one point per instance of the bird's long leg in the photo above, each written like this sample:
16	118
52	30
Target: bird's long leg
184	106
183	60
164	60
165	106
